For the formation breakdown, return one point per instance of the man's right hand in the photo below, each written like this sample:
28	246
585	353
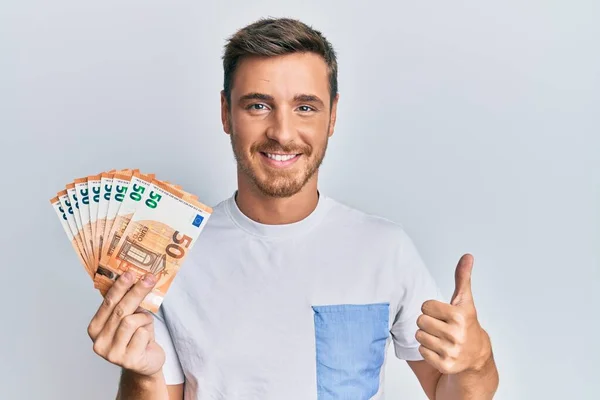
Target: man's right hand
122	332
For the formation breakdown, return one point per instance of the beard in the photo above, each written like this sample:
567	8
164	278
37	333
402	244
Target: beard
272	182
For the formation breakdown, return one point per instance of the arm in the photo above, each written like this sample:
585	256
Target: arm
124	335
135	386
480	383
455	347
444	344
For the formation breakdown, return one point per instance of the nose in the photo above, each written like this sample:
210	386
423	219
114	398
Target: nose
281	128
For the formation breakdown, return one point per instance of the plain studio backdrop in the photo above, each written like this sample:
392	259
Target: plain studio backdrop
474	125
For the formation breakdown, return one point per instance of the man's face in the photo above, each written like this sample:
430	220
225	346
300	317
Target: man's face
279	120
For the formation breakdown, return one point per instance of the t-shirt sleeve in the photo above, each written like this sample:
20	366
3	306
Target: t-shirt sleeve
172	368
416	285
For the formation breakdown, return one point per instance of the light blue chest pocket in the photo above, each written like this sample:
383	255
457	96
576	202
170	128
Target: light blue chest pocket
350	346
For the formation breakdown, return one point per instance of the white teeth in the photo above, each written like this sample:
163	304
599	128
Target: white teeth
279	157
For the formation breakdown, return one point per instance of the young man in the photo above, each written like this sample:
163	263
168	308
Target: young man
290	294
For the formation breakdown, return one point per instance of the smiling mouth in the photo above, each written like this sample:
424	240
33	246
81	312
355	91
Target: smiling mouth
280	157
275	160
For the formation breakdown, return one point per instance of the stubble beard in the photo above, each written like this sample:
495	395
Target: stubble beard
278	184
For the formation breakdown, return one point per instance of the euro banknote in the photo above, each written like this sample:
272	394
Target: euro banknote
158	238
126	220
94	192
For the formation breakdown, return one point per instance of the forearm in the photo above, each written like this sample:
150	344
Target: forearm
133	386
479	383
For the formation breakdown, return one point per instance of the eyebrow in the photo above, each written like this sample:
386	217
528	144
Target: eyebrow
308	98
256	96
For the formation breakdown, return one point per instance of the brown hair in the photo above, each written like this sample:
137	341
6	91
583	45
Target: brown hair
269	37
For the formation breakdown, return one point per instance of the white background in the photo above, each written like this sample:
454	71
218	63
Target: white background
475	125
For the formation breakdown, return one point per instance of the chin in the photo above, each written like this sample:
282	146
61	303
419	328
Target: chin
279	187
279	191
277	183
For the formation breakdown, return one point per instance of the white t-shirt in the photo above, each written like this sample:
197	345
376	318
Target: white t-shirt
297	312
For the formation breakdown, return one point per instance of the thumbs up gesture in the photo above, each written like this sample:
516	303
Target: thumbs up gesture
452	340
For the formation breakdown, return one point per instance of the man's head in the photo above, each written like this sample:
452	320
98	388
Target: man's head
279	103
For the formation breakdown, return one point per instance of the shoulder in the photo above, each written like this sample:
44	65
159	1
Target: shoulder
219	216
383	241
373	227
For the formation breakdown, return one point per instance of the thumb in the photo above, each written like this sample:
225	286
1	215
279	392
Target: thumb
462	281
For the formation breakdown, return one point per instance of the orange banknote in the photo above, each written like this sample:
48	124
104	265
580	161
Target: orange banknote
62	216
161	232
136	190
123	220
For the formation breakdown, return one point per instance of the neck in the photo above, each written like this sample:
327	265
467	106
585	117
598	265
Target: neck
273	210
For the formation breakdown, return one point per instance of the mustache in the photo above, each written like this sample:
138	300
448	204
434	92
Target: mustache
274	147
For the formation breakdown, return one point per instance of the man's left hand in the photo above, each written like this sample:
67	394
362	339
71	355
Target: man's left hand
452	340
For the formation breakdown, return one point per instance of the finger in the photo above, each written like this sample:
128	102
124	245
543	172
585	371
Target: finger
129	325
151	324
111	299
438	310
431	357
431	342
128	304
140	340
462	280
434	326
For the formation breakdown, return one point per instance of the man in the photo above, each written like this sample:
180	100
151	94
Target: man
290	294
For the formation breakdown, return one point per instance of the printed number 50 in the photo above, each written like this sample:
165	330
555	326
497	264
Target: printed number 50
152	202
174	249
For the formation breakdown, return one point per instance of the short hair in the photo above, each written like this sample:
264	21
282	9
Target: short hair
269	37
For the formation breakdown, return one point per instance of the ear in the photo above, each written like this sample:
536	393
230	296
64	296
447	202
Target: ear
333	115
225	115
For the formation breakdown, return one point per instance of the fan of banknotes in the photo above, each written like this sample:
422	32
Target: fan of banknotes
125	220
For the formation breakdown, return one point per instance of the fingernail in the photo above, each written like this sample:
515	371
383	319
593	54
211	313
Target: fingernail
149	280
127	276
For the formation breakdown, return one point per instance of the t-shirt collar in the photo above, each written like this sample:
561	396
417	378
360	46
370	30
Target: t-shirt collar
282	230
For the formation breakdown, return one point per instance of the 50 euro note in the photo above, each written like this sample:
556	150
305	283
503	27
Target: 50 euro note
62	216
94	192
83	198
67	209
133	197
157	240
120	183
106	199
73	198
106	179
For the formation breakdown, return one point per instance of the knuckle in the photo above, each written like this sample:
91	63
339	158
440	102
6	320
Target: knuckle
459	318
98	348
91	330
128	322
453	334
453	352
119	311
460	339
108	301
113	357
448	366
127	364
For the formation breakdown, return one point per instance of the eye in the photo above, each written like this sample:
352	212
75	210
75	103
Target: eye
306	108
256	107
